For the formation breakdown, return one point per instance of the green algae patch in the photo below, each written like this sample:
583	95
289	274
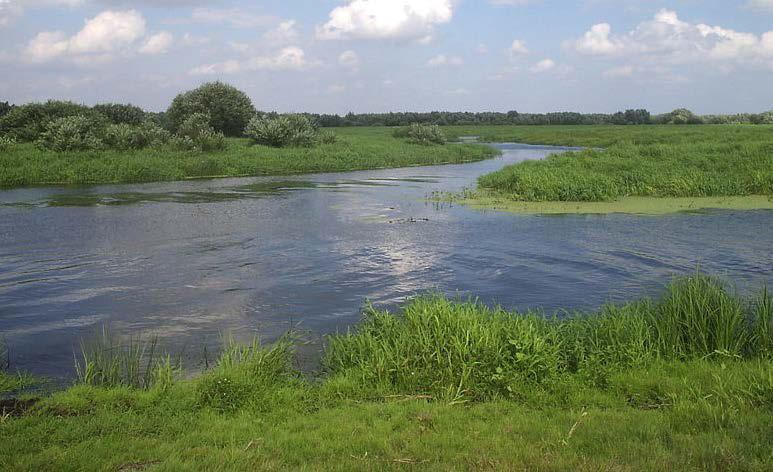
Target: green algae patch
484	200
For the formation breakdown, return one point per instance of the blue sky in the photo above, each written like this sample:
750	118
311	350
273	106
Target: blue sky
389	55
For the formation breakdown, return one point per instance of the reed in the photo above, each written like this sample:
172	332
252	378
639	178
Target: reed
109	361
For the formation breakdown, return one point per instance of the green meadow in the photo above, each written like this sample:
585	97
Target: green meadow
681	382
623	163
355	149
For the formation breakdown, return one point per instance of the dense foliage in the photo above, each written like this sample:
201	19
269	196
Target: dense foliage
195	133
229	109
27	122
119	113
286	130
73	133
421	133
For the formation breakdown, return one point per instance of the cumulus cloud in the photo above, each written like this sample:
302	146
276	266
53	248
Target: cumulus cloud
288	58
543	66
442	60
386	19
518	48
100	37
666	39
157	44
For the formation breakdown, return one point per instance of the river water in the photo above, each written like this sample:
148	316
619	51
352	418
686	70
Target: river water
188	261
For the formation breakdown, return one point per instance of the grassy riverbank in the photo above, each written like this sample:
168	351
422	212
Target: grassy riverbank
356	149
681	383
666	163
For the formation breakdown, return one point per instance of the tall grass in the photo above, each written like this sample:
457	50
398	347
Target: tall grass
109	361
464	350
355	149
653	161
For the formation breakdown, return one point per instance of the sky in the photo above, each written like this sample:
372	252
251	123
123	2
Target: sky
336	56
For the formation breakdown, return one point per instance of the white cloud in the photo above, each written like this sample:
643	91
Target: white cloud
596	41
350	60
543	66
386	19
481	49
157	44
284	33
666	39
106	33
518	48
442	60
288	58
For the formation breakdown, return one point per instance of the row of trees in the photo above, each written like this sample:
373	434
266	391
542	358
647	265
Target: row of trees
229	111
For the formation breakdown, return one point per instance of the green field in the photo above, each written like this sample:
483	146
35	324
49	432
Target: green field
356	149
684	382
662	162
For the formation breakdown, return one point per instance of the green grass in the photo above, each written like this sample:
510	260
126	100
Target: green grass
684	382
356	149
640	161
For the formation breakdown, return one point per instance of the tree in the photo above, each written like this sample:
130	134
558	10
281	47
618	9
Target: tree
229	109
119	113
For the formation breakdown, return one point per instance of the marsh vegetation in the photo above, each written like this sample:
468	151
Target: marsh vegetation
652	161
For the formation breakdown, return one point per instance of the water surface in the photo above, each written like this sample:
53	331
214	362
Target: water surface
189	260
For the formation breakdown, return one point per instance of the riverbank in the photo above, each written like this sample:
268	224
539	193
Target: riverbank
355	149
642	169
684	382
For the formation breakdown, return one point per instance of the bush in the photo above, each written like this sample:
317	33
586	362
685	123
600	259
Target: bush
28	122
326	136
282	131
681	116
228	108
72	133
118	113
125	137
425	134
6	142
195	133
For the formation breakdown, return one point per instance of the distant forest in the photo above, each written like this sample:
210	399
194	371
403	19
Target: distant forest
447	118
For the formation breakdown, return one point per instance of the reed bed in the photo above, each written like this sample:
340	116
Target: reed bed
645	161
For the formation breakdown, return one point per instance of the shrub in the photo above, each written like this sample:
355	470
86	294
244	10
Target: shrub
6	142
195	133
282	131
326	136
28	122
681	116
123	136
119	113
228	108
72	133
425	134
